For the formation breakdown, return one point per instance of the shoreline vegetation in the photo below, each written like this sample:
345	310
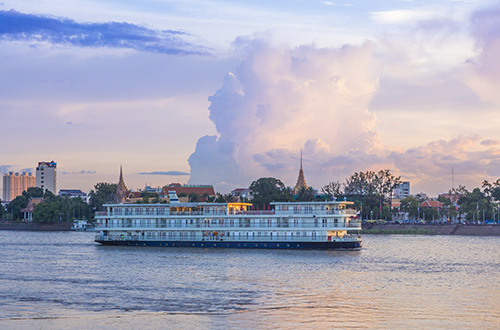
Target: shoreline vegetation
411	231
35	226
428	229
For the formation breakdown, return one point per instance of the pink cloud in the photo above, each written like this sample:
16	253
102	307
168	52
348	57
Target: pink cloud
280	100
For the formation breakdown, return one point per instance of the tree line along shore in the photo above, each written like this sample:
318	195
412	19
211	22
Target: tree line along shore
371	192
430	229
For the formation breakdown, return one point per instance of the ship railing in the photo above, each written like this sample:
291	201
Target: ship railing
228	224
348	212
317	212
251	212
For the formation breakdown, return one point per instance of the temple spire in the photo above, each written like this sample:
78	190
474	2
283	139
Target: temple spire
121	189
301	180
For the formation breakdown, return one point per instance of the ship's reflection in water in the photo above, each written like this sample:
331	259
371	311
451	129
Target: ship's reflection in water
65	281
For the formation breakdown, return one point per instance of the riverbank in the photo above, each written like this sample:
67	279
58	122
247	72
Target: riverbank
418	229
35	226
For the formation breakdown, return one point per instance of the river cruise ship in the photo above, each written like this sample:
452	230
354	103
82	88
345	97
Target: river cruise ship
285	225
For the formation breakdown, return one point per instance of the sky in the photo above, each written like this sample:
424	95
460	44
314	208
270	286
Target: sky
226	92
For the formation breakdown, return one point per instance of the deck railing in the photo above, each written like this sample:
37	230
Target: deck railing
236	224
164	212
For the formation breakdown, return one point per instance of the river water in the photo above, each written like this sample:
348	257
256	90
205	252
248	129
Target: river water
63	280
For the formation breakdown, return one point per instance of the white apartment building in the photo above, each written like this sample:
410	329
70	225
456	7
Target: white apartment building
14	184
46	176
402	190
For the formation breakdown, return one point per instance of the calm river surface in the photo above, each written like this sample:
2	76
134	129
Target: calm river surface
63	280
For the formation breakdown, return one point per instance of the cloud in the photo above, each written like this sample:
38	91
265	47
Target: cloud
439	92
331	3
279	100
484	74
9	168
5	168
400	16
80	172
16	26
173	173
438	25
490	142
431	164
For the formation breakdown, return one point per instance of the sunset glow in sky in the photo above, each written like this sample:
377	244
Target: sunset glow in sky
225	92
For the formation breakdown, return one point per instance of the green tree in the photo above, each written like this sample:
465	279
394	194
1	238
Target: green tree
194	197
150	194
475	205
2	210
49	211
410	205
449	210
15	206
221	198
371	191
267	190
103	193
333	189
61	209
305	194
33	192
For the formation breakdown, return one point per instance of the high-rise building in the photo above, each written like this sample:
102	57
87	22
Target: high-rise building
402	190
14	184
46	176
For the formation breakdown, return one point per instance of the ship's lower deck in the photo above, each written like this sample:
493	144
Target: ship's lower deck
318	245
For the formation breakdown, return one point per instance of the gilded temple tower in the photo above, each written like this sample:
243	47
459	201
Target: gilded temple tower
121	190
301	180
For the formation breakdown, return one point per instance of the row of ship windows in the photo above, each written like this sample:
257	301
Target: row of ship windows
224	224
165	210
221	222
221	234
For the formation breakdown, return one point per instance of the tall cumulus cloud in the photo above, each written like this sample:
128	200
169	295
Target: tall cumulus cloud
280	100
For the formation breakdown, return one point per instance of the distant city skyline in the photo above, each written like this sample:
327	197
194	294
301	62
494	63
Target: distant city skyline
226	92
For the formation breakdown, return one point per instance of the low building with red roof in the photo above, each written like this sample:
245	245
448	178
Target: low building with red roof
432	204
201	190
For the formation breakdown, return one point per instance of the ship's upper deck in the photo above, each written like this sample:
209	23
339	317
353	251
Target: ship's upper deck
237	208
